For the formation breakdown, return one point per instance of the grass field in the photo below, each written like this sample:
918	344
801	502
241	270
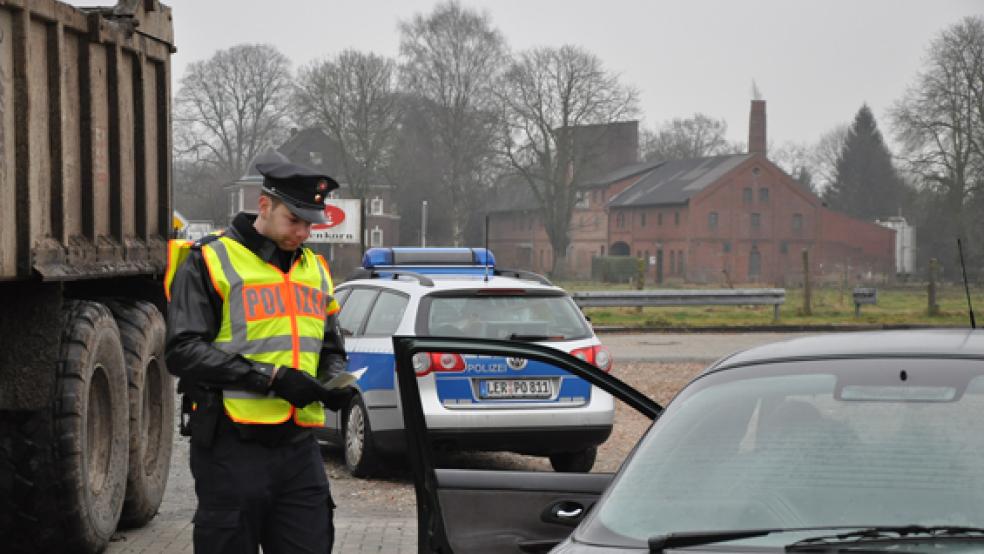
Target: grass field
897	305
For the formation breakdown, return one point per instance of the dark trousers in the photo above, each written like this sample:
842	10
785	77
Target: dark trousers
252	495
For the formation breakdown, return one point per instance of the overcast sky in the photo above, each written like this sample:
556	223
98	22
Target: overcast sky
814	61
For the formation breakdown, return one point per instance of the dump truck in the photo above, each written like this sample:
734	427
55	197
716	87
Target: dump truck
86	402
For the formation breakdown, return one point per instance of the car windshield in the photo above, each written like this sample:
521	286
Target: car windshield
813	444
478	315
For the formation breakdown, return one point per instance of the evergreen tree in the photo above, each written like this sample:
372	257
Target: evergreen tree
866	184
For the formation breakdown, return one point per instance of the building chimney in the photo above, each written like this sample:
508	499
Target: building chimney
756	128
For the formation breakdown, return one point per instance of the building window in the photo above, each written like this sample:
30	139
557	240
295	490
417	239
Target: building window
642	219
746	195
756	221
784	247
376	237
727	246
603	250
797	223
638	253
376	206
672	262
763	194
581	201
316	158
620	220
659	218
233	202
712	220
676	218
680	269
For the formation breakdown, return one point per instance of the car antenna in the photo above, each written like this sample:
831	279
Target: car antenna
963	268
486	248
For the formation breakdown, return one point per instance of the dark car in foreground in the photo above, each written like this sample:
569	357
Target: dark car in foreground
837	443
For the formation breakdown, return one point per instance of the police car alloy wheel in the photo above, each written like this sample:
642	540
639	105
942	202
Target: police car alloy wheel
360	456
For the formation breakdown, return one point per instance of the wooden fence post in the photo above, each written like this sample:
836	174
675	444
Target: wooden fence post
807	292
933	308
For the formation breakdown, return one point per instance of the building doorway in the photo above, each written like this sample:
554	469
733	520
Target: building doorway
754	265
619	249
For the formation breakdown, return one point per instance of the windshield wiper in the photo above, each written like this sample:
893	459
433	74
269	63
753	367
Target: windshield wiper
533	338
886	534
697	538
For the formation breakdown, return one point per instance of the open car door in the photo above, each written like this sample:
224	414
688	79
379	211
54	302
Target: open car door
478	511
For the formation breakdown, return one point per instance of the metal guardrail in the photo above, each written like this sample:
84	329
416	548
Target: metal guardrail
672	297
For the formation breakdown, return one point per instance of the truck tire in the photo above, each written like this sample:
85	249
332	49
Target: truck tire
151	396
63	472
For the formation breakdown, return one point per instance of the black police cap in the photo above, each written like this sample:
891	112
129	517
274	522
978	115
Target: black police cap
303	190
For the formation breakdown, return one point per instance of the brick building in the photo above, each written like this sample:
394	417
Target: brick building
723	219
315	149
518	237
739	219
607	159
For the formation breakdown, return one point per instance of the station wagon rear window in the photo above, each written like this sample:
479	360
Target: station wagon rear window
501	314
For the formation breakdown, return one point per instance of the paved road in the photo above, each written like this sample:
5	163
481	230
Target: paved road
170	531
684	347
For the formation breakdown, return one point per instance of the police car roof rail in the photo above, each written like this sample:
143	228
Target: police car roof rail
523	274
395	274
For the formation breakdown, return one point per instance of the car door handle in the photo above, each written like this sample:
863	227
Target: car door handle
563	512
572	513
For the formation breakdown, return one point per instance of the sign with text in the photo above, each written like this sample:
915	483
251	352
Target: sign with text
343	225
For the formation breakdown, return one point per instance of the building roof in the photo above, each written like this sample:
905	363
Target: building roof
676	181
513	195
270	155
621	173
314	148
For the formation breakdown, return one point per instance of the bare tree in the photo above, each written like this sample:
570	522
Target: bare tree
796	159
232	106
825	154
196	195
694	137
546	94
353	98
451	59
940	122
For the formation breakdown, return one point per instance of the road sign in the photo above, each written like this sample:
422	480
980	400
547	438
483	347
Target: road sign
344	222
178	222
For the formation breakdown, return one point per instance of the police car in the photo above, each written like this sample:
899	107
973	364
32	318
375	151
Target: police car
487	403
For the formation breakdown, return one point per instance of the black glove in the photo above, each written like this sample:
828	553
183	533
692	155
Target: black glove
297	387
336	399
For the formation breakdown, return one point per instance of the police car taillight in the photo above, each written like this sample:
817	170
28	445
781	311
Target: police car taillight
428	362
597	355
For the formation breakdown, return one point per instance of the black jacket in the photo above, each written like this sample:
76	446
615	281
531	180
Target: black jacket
195	314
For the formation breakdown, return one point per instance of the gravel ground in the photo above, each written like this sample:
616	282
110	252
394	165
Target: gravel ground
392	494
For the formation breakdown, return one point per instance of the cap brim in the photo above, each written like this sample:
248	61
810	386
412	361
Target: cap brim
311	215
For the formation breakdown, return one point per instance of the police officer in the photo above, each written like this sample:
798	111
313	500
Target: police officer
252	336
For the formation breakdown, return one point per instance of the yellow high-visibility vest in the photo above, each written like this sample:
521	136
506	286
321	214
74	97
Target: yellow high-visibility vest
267	316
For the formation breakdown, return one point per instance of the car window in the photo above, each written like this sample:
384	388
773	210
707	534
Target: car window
353	313
341	295
823	445
386	313
499	317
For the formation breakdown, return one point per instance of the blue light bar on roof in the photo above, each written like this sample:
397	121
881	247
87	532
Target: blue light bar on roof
402	257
